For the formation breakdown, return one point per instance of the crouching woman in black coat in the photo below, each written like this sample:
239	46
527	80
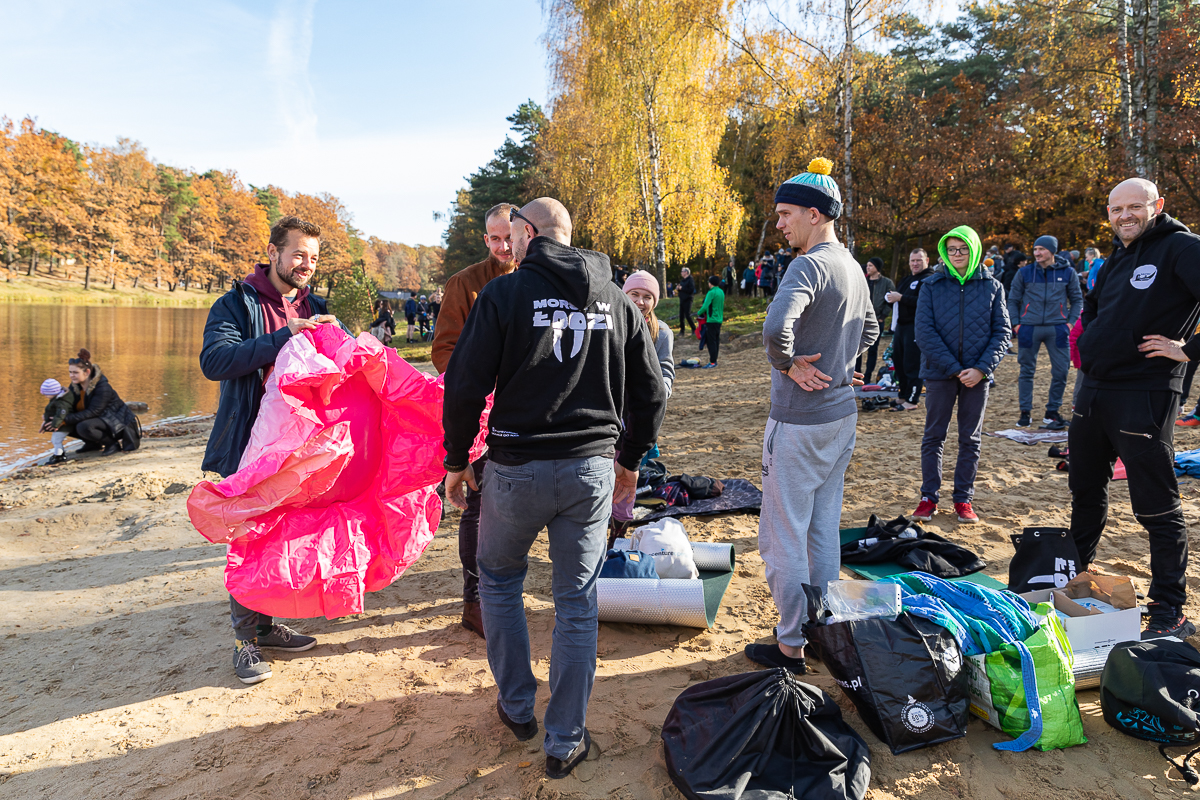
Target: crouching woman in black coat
100	418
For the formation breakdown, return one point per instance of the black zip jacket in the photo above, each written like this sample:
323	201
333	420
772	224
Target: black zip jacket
568	356
1151	287
910	288
687	288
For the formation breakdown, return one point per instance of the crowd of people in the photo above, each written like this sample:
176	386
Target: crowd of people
580	370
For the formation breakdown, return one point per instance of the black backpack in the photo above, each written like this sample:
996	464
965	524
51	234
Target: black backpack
1151	690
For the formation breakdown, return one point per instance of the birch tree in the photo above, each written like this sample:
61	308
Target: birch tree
636	125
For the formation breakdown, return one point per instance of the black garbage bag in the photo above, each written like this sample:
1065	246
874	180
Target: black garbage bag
763	735
905	676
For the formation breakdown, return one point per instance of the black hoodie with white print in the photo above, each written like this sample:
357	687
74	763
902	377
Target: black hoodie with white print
1150	287
564	349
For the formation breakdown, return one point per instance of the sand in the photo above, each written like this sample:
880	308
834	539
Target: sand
115	647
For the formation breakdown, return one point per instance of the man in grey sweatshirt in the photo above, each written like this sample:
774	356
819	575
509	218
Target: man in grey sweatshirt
822	310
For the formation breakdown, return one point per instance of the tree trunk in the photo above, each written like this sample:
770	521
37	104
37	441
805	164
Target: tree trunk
1125	106
660	239
87	274
848	129
136	278
32	263
1138	89
1152	77
762	235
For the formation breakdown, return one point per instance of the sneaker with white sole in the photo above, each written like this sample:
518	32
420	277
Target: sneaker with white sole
925	509
249	663
281	637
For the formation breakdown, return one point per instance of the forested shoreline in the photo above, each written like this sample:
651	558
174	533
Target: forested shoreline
113	217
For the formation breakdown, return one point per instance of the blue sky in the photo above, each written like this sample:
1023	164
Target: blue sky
387	105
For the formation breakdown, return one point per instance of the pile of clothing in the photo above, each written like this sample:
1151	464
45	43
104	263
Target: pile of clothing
657	488
912	547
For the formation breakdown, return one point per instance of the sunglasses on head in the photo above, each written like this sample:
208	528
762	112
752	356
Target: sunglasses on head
513	214
77	361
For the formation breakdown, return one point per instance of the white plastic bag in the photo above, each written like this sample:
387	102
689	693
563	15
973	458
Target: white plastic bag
667	541
851	600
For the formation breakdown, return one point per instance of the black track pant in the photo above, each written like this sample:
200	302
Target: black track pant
468	534
685	314
1139	427
906	358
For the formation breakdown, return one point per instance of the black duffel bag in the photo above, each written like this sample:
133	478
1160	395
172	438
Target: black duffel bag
1151	690
905	676
1046	558
763	735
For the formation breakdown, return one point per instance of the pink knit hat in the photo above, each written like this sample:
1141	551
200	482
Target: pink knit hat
642	280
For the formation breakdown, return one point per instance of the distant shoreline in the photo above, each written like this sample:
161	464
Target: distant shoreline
40	289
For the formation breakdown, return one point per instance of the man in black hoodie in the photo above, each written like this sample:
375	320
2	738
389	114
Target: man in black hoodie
906	356
568	356
1137	335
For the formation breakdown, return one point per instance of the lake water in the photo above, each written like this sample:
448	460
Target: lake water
148	354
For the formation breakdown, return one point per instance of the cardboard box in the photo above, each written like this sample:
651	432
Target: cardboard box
1089	629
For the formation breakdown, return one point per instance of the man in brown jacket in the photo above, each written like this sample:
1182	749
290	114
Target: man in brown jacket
461	291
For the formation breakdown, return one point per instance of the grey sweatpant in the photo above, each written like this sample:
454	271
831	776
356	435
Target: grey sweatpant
803	478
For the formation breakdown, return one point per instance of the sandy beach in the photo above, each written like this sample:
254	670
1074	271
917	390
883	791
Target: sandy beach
115	646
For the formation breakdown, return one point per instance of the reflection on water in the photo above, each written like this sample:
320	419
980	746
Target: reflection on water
148	354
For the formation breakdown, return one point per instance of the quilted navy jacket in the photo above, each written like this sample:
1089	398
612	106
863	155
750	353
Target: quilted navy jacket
960	326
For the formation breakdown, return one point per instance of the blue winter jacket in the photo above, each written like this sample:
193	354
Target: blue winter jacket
1042	296
237	351
961	326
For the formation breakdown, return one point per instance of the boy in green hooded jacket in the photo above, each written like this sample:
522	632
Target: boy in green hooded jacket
963	331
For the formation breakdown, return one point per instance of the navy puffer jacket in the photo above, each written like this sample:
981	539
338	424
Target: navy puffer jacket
961	326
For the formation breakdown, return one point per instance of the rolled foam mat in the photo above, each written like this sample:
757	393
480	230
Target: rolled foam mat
670	601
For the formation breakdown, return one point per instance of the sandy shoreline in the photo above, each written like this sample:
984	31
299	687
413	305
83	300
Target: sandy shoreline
115	677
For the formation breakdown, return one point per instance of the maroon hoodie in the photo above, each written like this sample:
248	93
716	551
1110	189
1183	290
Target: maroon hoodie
276	308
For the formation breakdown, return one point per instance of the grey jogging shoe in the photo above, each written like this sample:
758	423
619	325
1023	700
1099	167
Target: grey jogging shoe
249	663
281	637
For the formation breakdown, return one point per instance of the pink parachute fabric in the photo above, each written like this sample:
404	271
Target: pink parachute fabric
334	496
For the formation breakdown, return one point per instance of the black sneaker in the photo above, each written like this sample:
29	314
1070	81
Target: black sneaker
57	458
1053	417
281	637
1056	425
1167	621
769	655
560	768
112	448
1023	420
524	731
249	663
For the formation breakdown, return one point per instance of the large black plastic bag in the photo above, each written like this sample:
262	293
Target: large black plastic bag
763	735
905	677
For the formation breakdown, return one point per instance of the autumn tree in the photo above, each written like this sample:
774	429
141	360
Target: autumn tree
637	122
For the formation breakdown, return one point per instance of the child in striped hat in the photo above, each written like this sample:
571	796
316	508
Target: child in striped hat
53	417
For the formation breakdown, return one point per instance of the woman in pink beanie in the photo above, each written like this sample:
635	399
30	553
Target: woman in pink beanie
642	289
